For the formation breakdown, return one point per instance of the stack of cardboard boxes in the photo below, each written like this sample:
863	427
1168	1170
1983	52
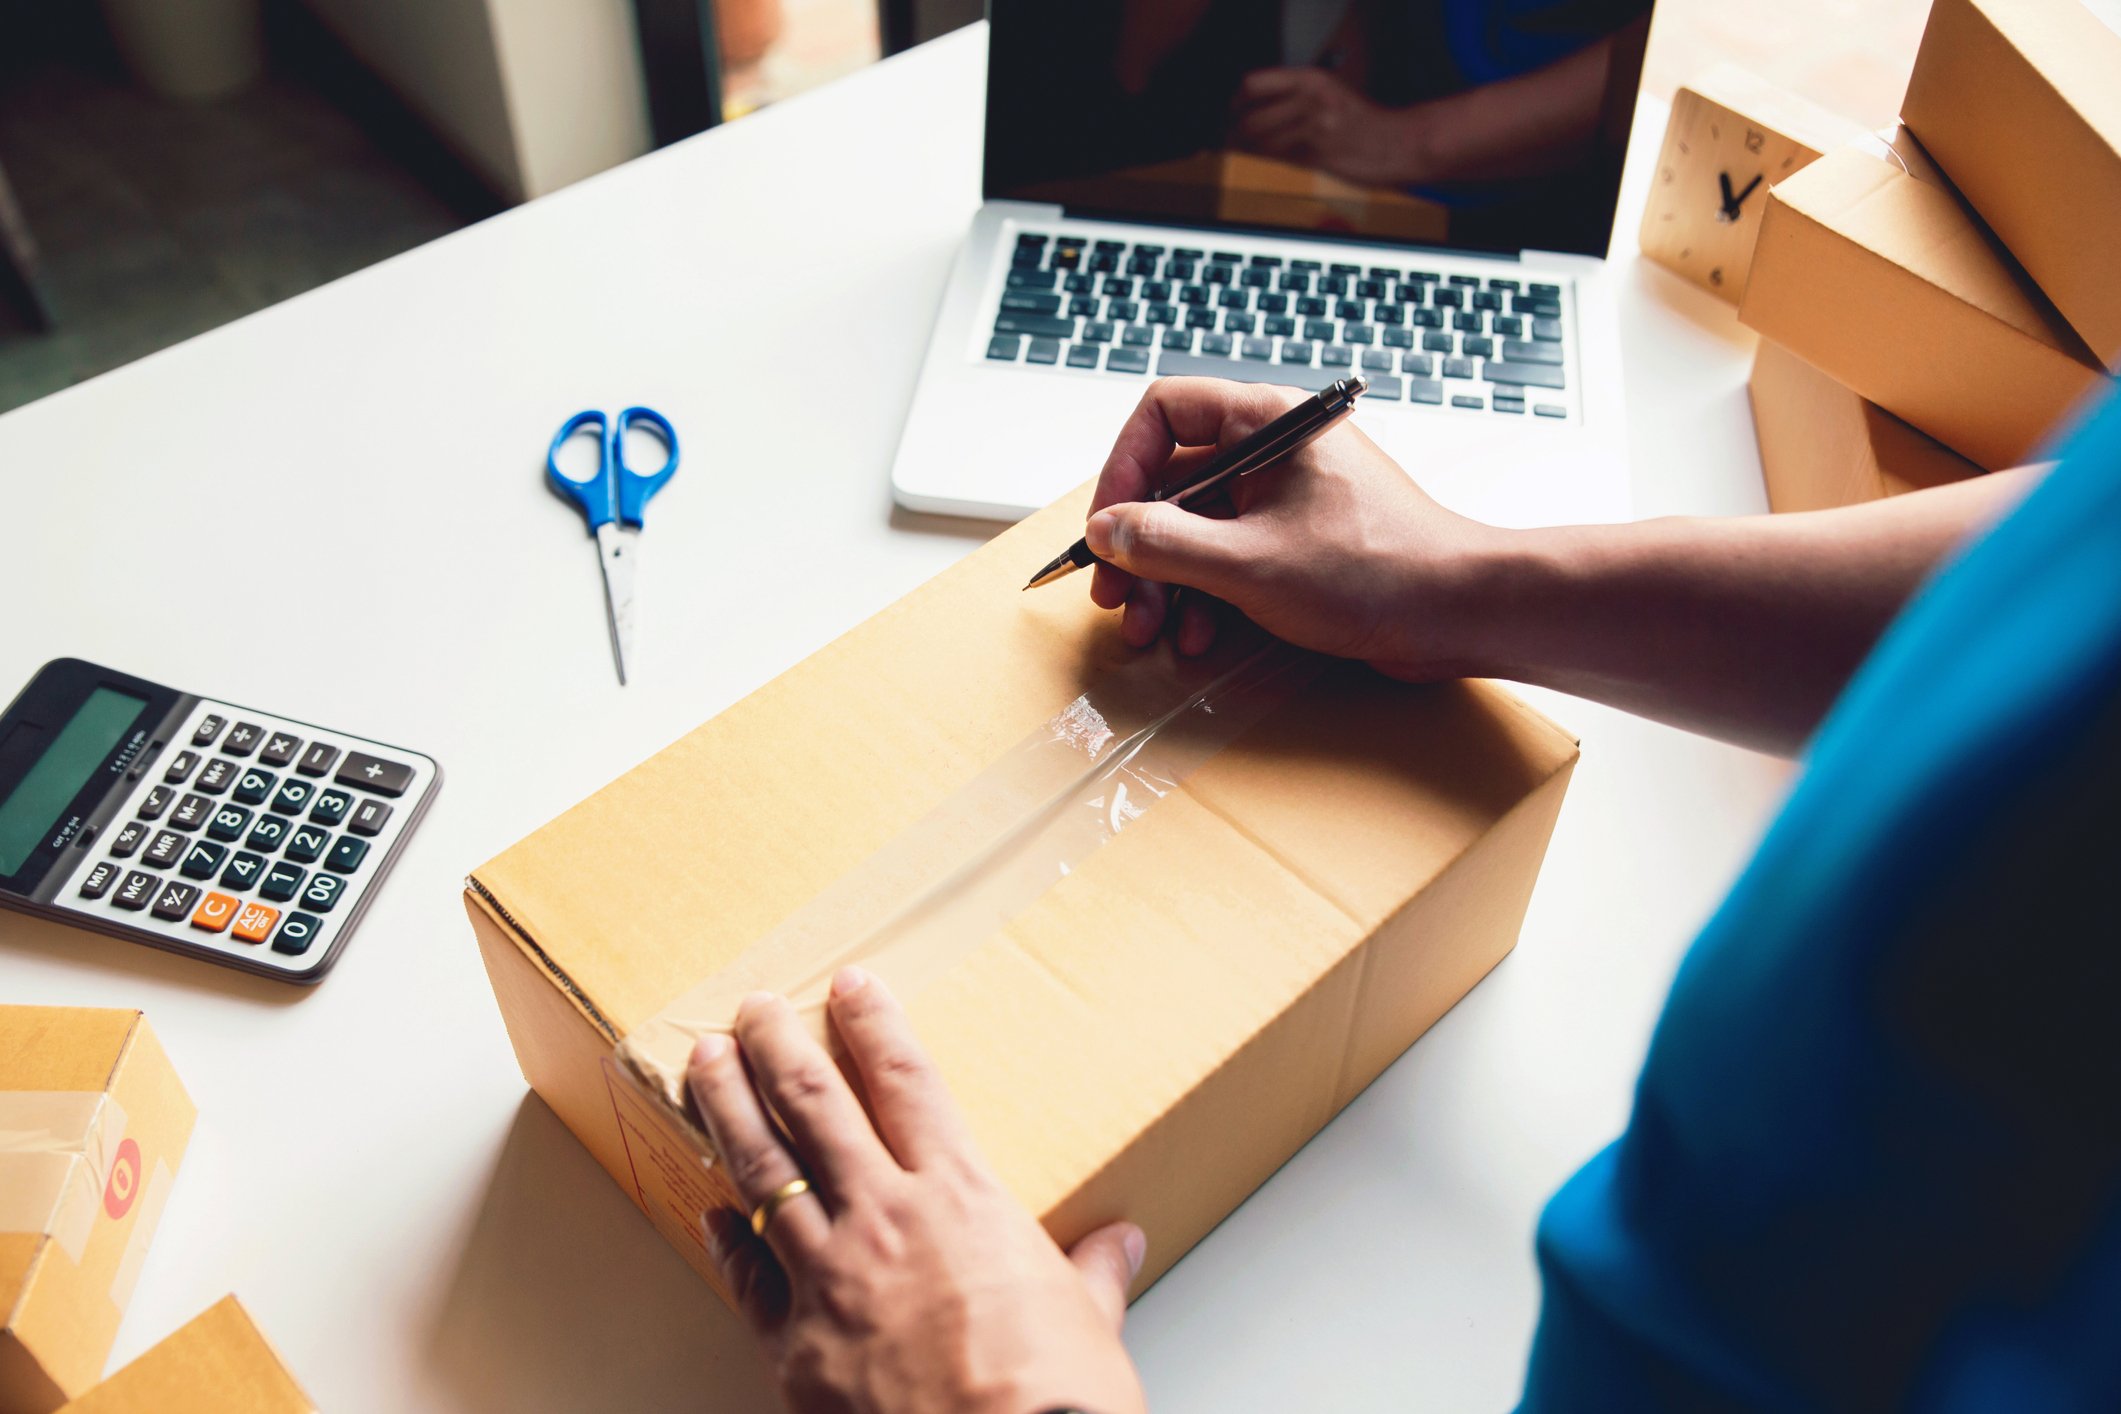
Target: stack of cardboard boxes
1939	304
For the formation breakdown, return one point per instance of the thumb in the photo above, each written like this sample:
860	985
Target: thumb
1157	541
1108	1260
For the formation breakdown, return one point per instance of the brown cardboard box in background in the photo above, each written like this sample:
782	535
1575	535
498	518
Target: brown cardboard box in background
218	1362
1162	1027
93	1127
2019	101
1823	446
1884	279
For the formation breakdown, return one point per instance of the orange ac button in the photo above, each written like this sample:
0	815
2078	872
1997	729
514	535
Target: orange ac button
254	923
214	913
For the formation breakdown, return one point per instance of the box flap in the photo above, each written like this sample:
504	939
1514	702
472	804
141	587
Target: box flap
218	1362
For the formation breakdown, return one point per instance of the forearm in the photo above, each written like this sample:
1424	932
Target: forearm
1515	127
1744	628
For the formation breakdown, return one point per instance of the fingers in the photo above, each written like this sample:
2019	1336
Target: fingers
758	1163
754	1278
1153	540
838	1145
1196	625
914	1111
1109	1260
1176	413
1263	85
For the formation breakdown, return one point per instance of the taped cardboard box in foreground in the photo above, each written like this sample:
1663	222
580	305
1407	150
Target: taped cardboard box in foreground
93	1128
1823	446
1312	870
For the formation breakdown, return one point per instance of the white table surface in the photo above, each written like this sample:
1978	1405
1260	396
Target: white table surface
332	510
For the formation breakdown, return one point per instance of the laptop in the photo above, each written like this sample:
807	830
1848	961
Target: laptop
1285	191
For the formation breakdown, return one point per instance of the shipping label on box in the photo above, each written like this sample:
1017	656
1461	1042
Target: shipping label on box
1143	1014
93	1128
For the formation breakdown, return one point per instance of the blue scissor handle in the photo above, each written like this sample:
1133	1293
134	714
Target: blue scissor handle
635	487
594	496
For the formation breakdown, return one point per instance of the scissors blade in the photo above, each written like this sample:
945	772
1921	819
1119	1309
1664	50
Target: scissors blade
617	548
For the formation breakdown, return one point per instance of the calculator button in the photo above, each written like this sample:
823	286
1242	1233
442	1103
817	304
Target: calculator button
209	727
370	818
307	844
331	807
97	881
317	760
167	849
228	823
254	786
282	881
265	836
254	923
323	892
279	749
191	812
292	797
175	901
126	843
155	802
180	766
215	913
374	773
297	933
346	855
243	738
218	773
203	860
137	891
243	871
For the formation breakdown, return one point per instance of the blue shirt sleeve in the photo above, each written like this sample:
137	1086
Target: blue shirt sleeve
1875	1155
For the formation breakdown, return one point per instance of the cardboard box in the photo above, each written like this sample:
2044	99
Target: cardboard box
2020	103
93	1127
1869	267
1175	1014
1823	446
216	1363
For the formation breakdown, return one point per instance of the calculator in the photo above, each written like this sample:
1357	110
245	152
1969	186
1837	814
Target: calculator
230	834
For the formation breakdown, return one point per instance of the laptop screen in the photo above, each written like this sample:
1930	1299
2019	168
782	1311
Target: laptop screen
1480	124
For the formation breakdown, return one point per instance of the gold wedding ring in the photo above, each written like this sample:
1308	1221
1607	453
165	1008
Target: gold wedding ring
763	1213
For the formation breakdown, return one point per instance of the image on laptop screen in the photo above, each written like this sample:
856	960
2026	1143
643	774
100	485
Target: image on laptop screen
1484	124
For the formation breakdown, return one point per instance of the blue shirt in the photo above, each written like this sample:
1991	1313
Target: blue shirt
1875	1155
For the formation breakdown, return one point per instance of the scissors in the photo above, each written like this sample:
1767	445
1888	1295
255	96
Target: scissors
612	500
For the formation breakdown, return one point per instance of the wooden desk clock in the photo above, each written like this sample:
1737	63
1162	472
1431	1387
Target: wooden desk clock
1731	135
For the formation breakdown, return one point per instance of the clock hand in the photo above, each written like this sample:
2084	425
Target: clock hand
1723	179
1736	200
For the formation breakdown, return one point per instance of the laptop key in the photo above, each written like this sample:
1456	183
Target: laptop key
1236	323
1099	332
1386	388
1428	319
1417	365
1396	338
1503	404
1261	349
1200	319
1161	314
1424	390
1032	279
1470	322
1477	346
1178	339
1379	360
1437	342
1122	310
1549	410
1084	356
1128	360
1318	329
1336	356
1044	351
1358	334
1462	368
1510	326
1079	284
1464	400
1020	302
1295	351
1083	306
1179	365
1280	324
1137	336
1216	344
1538	375
1036	325
1518	351
1005	346
1547	331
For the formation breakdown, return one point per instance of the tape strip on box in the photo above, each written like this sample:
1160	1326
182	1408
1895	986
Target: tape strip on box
56	1150
954	878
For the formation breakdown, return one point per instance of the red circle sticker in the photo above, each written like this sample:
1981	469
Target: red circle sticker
124	1185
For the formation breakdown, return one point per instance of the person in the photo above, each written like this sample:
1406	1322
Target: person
1873	1159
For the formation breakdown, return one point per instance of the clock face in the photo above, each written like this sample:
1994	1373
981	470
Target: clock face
1710	188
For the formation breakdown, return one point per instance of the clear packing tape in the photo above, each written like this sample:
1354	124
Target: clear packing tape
957	876
56	1146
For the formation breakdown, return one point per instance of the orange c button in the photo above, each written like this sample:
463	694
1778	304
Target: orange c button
254	923
214	913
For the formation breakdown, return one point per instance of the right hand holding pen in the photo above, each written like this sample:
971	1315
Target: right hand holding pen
1334	549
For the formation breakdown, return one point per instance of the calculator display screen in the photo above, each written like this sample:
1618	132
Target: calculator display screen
65	764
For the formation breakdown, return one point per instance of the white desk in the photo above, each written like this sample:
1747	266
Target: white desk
333	510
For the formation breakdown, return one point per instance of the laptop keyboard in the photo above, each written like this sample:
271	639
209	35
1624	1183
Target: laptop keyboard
1131	307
